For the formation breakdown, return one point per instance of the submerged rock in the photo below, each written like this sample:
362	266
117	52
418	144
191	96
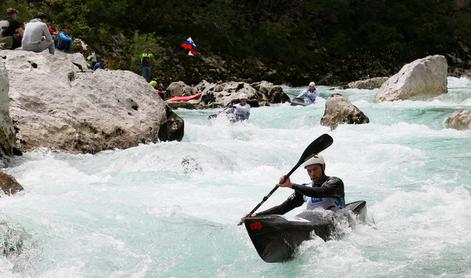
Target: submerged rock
9	185
190	165
13	239
424	77
56	103
460	120
339	110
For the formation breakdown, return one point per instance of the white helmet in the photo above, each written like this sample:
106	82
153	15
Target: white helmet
312	84
315	159
242	96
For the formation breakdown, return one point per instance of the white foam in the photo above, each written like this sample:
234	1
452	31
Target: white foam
172	207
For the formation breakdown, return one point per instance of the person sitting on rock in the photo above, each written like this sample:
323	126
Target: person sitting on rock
310	94
10	32
53	32
64	40
240	111
36	36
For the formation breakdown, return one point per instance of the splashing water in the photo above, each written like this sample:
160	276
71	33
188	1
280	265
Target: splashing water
171	209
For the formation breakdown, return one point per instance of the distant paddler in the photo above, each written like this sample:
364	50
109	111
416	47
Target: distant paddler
308	96
238	112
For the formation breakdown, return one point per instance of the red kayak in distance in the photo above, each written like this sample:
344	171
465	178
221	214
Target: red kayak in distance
185	98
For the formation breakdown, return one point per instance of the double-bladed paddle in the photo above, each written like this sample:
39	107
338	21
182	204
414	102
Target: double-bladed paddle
318	145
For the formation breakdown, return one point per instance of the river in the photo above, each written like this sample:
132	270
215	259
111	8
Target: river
170	209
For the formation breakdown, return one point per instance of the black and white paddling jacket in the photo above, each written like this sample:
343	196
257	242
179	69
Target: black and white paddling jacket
328	195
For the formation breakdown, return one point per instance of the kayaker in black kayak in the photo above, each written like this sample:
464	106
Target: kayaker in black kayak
323	192
310	94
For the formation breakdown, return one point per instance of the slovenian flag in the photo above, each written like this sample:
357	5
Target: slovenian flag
190	46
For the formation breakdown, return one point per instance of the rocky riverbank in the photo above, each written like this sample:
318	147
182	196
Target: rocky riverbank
56	102
223	94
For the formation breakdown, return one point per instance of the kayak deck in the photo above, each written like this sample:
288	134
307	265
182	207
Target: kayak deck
298	101
277	237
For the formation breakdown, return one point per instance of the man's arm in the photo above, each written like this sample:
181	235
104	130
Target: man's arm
302	93
294	201
333	187
46	32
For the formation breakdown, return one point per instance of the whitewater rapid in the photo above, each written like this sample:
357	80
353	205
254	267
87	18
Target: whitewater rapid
170	209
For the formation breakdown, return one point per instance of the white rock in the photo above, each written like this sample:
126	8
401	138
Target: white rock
179	88
7	132
424	77
56	104
339	110
371	83
460	120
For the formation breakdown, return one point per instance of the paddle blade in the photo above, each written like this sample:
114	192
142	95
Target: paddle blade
318	145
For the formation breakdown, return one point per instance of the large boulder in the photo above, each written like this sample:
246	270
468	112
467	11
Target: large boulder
9	185
460	119
424	77
58	104
7	132
173	127
339	110
179	88
223	94
369	84
273	93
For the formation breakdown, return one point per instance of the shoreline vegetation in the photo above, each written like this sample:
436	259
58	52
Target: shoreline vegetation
283	42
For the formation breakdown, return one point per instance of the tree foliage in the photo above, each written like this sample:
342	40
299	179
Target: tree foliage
307	35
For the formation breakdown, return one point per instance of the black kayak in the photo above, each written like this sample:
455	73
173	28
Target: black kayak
277	237
298	101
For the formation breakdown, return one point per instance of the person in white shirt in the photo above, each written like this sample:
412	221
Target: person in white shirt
310	94
36	36
241	111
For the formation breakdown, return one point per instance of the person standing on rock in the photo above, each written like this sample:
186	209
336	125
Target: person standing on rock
310	94
36	36
240	111
146	63
10	32
323	191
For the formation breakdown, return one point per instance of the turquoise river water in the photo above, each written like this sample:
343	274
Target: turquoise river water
141	212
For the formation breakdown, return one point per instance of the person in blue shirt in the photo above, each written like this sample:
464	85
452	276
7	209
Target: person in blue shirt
98	65
310	94
64	40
